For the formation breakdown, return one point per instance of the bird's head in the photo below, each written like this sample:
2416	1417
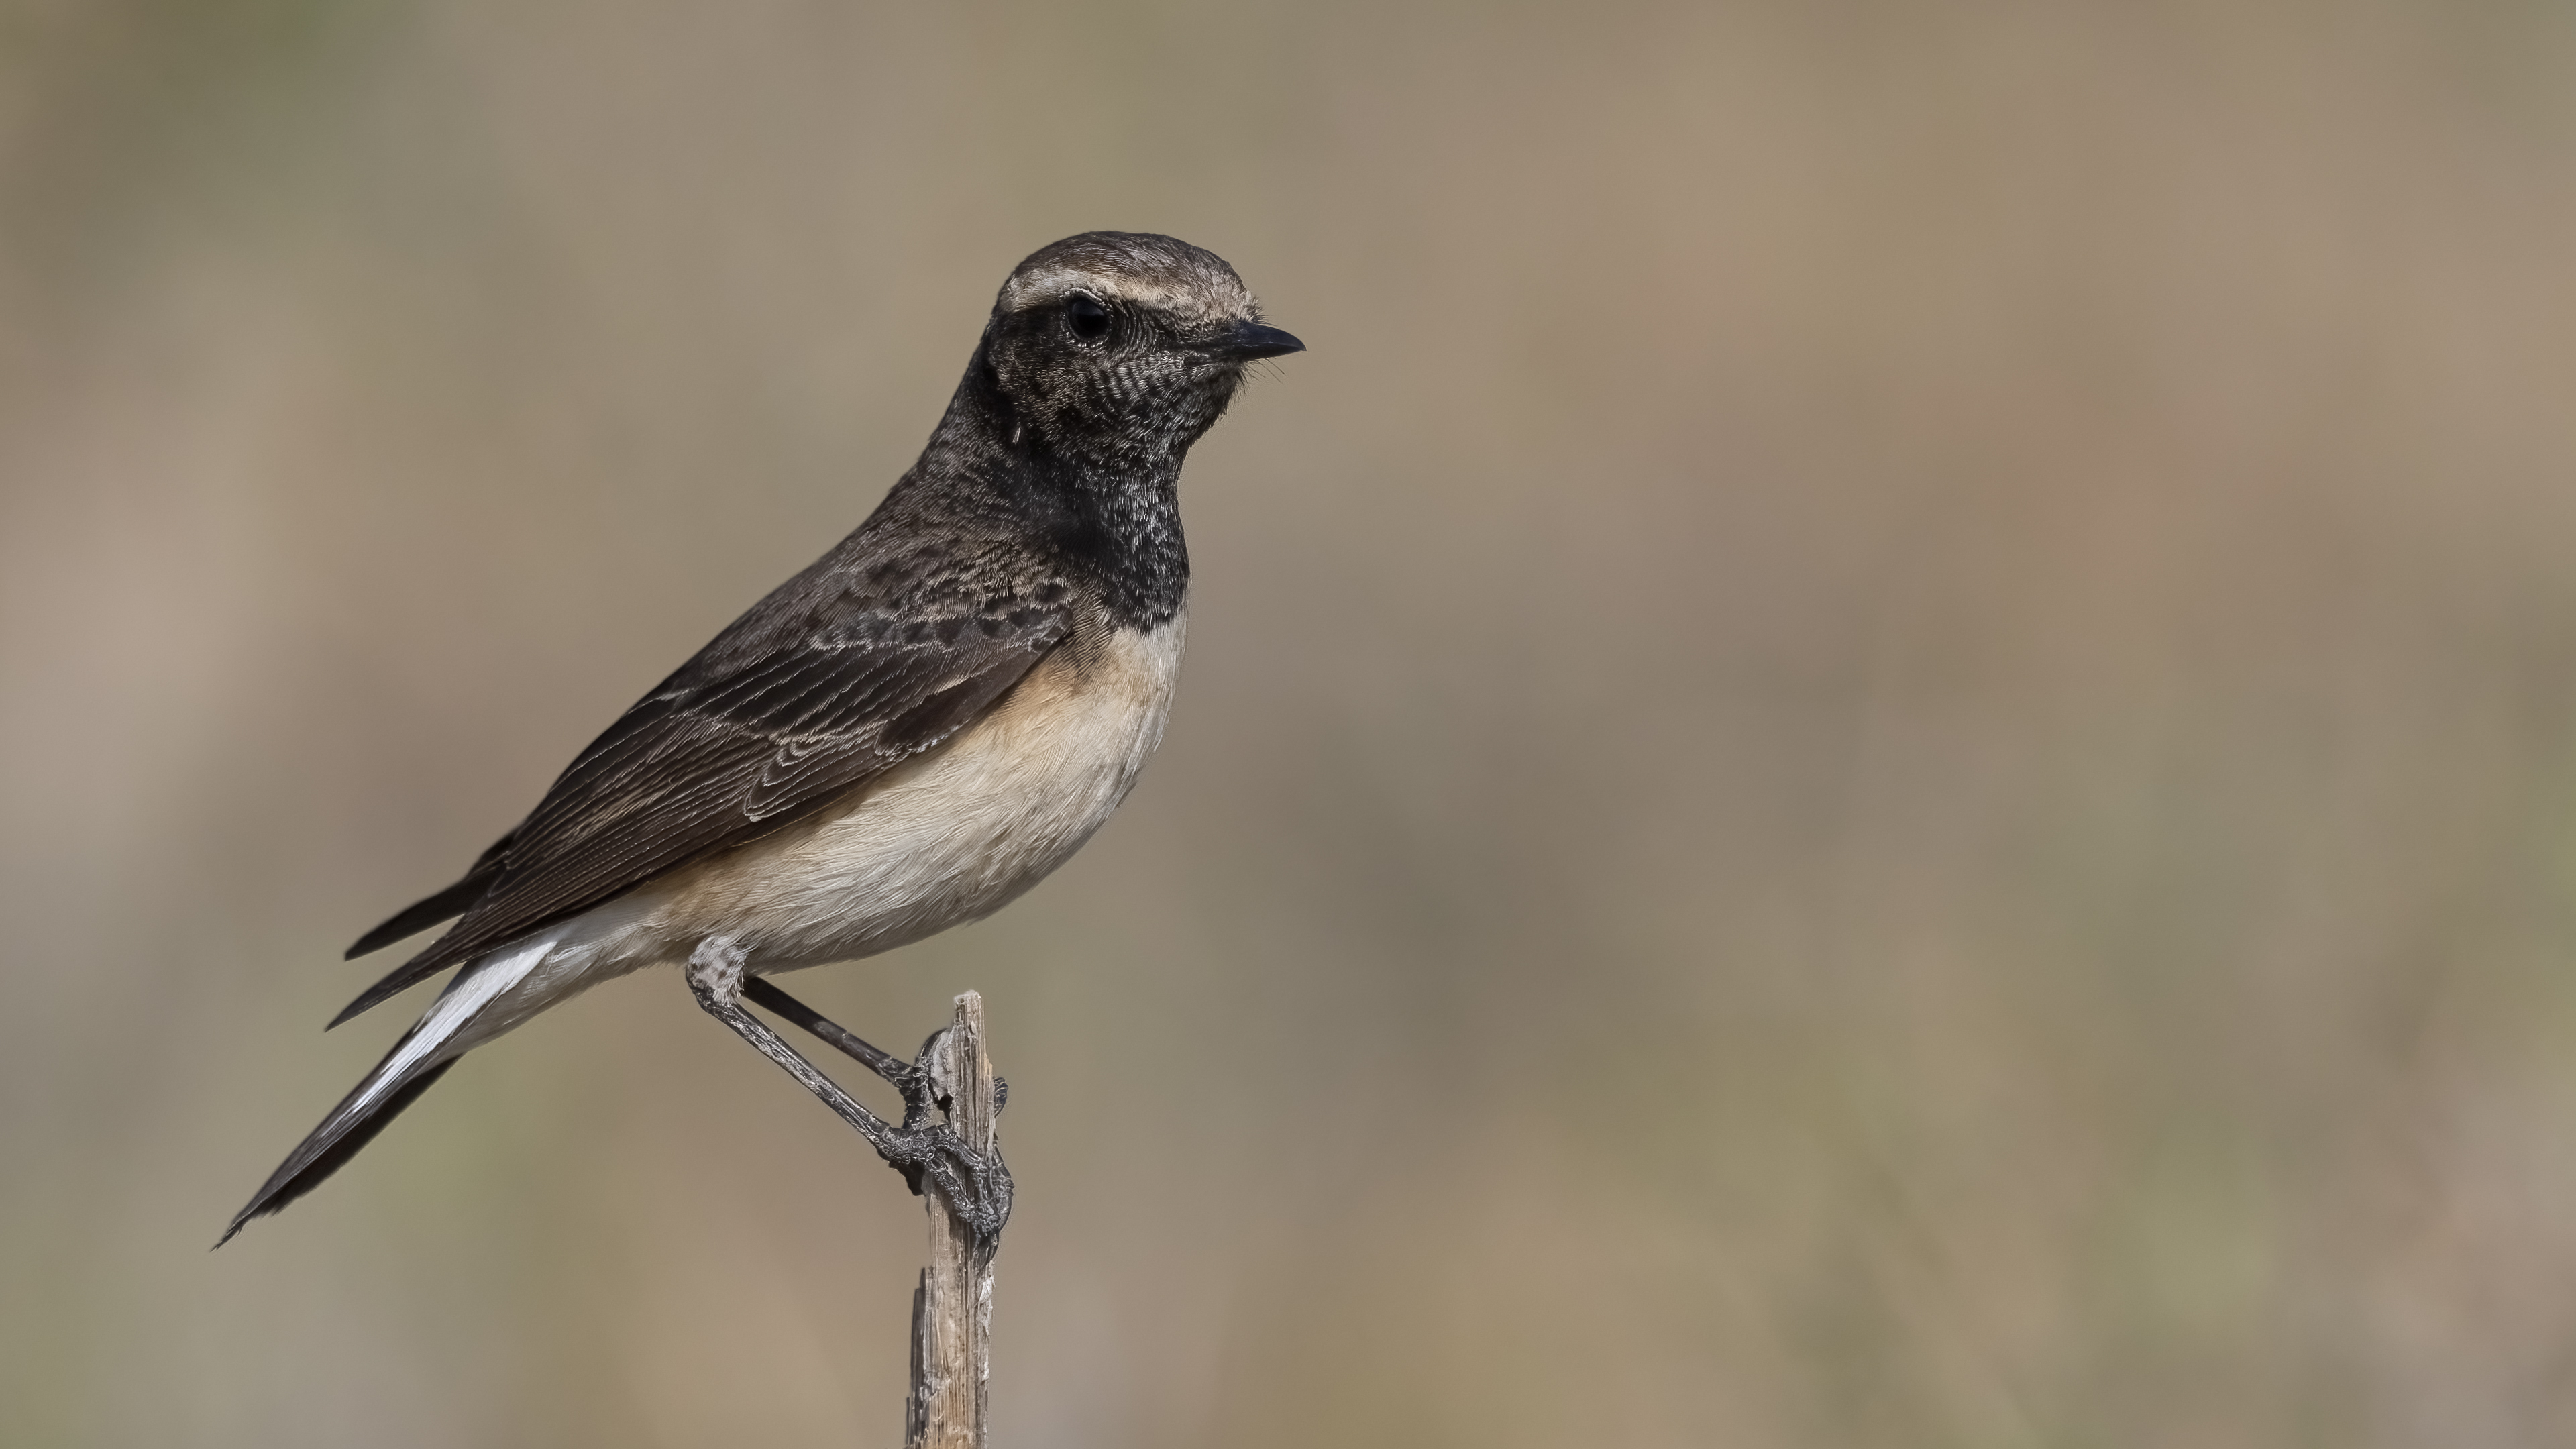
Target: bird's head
1120	346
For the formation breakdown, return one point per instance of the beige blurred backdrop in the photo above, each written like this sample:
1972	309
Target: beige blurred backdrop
1880	749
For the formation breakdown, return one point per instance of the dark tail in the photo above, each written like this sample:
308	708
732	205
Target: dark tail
420	1058
352	1125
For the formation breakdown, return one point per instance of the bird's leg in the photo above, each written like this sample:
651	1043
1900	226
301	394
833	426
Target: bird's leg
715	978
976	1186
902	1075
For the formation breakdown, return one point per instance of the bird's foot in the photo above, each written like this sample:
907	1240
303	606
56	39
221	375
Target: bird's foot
975	1185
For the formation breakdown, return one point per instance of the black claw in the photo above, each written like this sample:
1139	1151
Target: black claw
977	1185
918	1099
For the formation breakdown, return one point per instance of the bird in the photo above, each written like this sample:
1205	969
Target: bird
903	737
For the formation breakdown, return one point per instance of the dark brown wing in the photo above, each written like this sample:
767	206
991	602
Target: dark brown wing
802	699
446	905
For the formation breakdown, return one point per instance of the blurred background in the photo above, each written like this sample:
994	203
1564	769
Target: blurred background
1880	749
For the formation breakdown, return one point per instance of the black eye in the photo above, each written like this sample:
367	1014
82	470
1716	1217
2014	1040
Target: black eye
1089	320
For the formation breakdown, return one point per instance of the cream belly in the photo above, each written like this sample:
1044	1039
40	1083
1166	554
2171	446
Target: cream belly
946	838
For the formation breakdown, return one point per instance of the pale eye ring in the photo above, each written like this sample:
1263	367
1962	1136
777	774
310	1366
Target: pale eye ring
1087	316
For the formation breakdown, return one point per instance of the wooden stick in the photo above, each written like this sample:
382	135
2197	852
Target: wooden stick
952	1310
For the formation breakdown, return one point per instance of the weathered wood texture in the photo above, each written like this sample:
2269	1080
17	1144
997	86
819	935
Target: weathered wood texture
952	1310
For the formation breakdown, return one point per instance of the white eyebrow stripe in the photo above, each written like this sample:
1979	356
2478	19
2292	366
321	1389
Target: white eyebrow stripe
1043	287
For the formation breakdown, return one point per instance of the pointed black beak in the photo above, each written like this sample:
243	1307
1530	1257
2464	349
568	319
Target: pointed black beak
1250	340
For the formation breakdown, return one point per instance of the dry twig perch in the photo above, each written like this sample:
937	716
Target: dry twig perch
952	1310
954	1165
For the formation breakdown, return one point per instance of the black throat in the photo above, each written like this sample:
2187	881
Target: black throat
1102	507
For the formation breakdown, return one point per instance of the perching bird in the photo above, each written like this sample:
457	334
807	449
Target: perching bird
903	737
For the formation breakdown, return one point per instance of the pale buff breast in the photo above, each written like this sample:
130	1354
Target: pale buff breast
951	836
